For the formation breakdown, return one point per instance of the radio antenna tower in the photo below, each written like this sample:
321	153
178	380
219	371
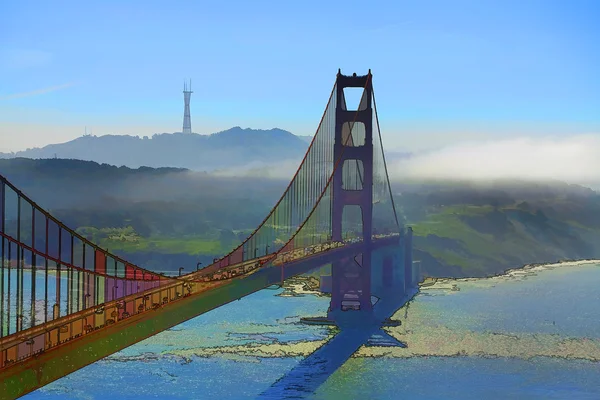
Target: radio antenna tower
187	119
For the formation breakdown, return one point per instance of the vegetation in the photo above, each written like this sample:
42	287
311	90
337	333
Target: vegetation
167	218
470	230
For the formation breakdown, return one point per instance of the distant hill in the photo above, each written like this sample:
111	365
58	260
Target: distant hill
235	147
60	183
466	229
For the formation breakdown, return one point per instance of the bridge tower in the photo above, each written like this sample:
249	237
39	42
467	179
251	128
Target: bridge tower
351	277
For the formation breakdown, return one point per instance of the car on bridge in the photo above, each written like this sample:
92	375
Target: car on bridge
350	302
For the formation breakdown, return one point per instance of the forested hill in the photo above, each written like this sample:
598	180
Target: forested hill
466	229
58	184
166	218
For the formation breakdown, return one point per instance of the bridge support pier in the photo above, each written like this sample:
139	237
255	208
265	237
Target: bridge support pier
351	289
388	278
393	280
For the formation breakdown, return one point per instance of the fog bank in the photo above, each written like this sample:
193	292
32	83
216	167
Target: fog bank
572	159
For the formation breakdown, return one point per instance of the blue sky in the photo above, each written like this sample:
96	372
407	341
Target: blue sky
444	71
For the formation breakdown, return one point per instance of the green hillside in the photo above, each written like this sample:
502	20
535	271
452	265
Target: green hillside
463	230
169	218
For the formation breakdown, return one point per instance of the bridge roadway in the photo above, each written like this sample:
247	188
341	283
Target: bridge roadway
37	356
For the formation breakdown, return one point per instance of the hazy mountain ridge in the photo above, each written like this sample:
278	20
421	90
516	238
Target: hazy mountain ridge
234	147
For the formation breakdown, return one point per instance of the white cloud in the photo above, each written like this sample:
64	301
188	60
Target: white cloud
36	92
572	159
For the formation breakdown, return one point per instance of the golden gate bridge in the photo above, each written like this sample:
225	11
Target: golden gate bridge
67	303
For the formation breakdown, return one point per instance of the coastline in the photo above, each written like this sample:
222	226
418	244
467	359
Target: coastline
510	274
302	285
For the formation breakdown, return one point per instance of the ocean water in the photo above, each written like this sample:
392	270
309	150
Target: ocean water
529	335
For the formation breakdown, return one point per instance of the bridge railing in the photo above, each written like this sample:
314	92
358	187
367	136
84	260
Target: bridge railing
47	270
32	341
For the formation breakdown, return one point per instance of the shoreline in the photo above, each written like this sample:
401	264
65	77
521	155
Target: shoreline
310	285
520	272
302	285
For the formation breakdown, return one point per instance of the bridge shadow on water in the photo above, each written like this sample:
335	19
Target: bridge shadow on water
306	377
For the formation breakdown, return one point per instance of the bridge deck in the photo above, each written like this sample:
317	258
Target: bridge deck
91	336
